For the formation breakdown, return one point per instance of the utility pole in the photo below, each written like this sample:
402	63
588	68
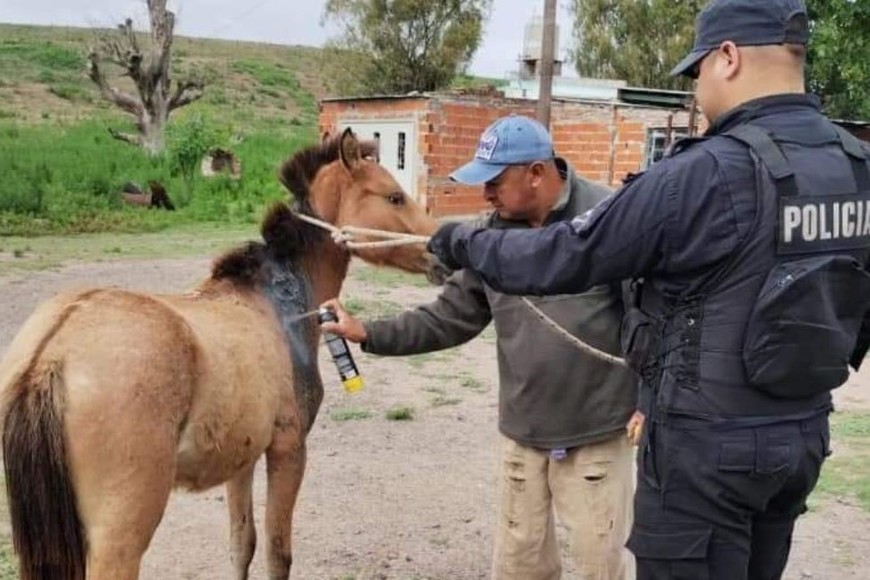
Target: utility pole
548	56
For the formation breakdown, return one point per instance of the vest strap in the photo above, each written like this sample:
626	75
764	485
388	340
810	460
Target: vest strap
858	157
770	154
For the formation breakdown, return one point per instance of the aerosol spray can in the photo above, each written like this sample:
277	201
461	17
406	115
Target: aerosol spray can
344	362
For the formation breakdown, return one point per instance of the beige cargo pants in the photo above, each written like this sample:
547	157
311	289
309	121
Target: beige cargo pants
591	491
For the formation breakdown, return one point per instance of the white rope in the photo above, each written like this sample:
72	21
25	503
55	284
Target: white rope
344	235
587	348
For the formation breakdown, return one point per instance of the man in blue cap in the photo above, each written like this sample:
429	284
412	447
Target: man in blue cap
749	247
562	411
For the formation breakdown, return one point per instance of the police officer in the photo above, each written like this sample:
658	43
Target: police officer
749	249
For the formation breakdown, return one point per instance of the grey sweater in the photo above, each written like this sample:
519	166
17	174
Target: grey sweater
551	395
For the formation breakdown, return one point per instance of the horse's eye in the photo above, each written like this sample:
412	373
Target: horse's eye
396	198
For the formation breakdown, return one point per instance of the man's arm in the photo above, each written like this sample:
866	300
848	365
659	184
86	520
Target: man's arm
677	217
620	237
459	314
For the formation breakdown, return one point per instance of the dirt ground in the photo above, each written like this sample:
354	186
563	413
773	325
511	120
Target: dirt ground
393	499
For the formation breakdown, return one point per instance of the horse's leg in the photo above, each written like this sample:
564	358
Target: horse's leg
285	461
243	534
124	472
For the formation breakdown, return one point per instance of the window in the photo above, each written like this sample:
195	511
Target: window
657	143
400	158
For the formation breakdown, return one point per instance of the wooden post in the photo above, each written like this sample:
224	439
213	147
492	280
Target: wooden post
548	57
693	114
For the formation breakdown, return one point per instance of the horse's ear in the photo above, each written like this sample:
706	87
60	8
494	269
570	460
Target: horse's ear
370	150
349	150
324	137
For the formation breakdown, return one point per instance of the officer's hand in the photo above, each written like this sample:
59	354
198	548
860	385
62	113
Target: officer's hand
634	427
347	326
440	246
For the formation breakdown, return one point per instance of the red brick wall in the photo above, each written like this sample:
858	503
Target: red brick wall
456	124
603	142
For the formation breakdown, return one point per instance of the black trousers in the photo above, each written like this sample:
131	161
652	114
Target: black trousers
721	504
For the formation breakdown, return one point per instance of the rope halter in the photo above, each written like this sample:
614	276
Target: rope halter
345	236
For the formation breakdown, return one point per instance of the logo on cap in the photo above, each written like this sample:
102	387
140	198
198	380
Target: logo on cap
486	147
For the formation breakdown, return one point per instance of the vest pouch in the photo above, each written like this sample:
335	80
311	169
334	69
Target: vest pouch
638	339
804	324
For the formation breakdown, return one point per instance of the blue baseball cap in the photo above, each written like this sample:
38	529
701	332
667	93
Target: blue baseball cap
513	140
746	23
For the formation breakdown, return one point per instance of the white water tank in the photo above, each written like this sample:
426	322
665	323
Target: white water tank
533	38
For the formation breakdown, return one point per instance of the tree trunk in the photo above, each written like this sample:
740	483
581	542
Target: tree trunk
150	72
152	135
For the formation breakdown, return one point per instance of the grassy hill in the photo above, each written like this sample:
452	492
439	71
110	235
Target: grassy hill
43	77
63	172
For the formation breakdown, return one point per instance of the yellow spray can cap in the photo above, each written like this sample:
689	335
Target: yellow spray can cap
353	384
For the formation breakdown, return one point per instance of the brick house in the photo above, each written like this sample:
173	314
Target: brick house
424	137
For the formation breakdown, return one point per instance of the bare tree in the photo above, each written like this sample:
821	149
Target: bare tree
149	69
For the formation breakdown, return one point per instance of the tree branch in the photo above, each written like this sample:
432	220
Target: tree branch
126	137
162	27
123	100
186	93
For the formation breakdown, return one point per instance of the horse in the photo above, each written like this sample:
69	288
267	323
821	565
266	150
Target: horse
112	398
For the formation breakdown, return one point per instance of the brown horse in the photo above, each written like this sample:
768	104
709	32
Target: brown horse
112	398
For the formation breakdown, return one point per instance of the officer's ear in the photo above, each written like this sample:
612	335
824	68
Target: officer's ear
729	60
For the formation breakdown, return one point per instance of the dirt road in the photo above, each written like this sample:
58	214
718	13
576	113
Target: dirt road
393	499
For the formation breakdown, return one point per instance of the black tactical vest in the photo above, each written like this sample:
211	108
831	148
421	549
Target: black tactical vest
787	304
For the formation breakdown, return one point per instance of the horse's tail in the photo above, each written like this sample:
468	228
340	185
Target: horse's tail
46	530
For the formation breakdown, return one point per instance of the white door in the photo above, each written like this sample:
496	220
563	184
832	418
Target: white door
398	148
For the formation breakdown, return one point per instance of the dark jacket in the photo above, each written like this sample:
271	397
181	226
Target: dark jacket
551	395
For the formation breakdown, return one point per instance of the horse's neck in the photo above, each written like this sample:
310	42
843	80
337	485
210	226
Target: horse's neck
295	290
326	270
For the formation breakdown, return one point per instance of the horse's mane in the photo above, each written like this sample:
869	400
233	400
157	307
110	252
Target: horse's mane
286	238
299	171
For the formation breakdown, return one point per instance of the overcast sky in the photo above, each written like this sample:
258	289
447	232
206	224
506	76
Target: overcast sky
277	21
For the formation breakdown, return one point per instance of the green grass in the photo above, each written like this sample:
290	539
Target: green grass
400	414
350	414
391	278
67	179
31	59
8	565
846	473
71	92
471	383
62	172
370	309
444	400
419	361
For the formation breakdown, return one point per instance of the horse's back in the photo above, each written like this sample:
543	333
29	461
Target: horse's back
203	374
111	344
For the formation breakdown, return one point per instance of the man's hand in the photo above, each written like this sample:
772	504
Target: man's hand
347	326
634	427
440	246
